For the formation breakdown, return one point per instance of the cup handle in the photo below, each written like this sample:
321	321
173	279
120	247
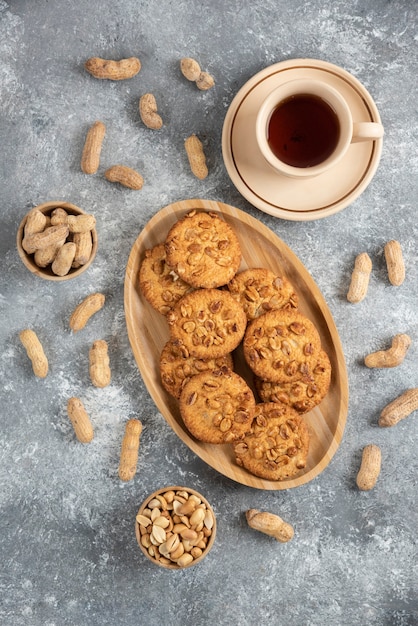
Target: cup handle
366	131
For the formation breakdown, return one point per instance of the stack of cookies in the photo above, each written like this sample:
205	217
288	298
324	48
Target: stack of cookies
212	308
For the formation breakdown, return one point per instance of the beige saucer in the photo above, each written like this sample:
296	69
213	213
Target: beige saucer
279	195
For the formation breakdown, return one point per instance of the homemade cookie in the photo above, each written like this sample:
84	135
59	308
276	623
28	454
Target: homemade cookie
260	290
208	322
218	406
158	282
177	366
203	250
303	394
277	445
281	345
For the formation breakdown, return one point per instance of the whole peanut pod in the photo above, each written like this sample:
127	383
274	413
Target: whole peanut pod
76	223
270	524
148	111
190	69
100	374
45	256
360	278
81	223
80	420
370	468
196	156
395	263
125	176
83	248
398	409
391	357
35	352
90	159
205	81
36	222
113	70
129	450
48	237
85	310
59	216
64	258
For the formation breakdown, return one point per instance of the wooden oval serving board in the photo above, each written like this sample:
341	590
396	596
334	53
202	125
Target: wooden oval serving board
148	332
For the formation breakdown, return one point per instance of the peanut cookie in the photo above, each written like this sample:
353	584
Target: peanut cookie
281	345
159	283
260	290
303	394
277	446
218	406
203	249
208	322
177	366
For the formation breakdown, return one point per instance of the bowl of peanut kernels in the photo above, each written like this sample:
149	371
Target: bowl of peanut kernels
175	527
57	240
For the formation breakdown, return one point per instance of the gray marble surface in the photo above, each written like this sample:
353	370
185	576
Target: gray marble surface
68	553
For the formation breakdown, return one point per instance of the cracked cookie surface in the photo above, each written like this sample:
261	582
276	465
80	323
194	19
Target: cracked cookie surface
208	322
158	282
281	345
260	290
177	366
303	394
217	407
277	445
203	250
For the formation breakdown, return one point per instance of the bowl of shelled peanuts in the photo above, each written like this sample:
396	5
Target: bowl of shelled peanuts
175	527
57	240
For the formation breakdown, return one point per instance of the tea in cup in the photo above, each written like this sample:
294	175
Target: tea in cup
304	127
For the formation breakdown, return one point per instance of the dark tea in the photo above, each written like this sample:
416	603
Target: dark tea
303	130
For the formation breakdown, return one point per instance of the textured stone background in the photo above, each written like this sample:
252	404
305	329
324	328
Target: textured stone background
68	553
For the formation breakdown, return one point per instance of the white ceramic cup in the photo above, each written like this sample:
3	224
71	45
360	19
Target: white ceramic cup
350	131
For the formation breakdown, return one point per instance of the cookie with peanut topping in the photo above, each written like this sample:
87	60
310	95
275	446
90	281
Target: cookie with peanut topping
281	345
158	282
208	322
218	406
303	394
260	290
177	366
277	445
203	250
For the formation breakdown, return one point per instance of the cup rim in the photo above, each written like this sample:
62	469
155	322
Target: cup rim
294	87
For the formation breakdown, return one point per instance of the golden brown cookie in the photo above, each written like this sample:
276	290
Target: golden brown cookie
260	290
281	345
177	366
277	445
158	282
203	250
208	322
218	406
303	394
